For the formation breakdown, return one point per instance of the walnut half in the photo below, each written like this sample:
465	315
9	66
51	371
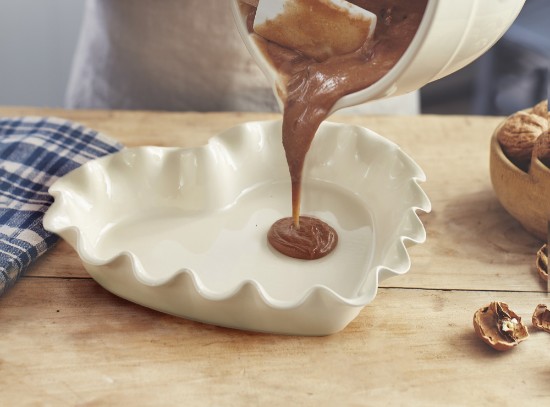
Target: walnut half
499	327
541	148
542	262
517	137
541	109
541	318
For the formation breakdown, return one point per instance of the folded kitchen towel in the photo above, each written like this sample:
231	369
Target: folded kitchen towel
34	152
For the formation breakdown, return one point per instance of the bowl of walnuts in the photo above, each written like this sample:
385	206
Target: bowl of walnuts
520	167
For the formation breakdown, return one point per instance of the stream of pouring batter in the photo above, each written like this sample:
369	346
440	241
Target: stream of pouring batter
311	88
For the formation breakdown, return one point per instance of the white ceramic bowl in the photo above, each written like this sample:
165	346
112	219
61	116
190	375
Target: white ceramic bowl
452	34
184	231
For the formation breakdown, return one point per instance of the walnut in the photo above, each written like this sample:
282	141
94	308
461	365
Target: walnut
542	262
541	149
541	318
499	327
541	109
517	137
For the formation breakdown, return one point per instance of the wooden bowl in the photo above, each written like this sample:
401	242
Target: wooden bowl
525	195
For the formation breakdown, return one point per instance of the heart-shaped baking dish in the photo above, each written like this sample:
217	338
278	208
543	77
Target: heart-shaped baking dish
183	231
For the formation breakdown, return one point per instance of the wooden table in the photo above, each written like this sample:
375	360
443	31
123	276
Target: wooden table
66	341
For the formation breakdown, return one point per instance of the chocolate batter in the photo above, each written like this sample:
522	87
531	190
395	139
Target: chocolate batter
311	240
311	88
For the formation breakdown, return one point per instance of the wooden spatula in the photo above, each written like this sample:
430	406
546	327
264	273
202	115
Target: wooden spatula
317	28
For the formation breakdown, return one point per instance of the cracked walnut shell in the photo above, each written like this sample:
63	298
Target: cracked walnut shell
517	137
499	327
542	262
541	318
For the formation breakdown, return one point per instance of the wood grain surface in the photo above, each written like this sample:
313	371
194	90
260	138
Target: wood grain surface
66	341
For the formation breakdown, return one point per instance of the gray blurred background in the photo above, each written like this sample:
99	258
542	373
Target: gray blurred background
37	41
38	38
511	76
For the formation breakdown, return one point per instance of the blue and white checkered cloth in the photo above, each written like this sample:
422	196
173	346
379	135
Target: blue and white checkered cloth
34	152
